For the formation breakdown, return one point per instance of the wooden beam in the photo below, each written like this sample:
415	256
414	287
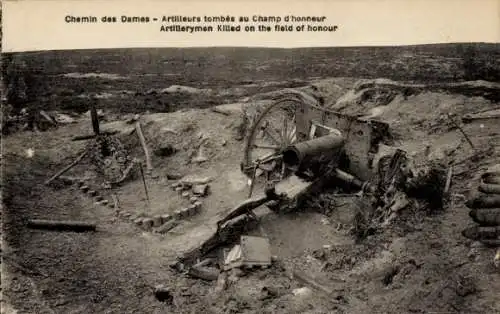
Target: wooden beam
75	226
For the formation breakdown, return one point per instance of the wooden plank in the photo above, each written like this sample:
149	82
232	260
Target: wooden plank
76	226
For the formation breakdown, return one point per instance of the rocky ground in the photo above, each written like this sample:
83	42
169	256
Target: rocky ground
419	263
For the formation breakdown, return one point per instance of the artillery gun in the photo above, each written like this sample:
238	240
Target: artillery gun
295	146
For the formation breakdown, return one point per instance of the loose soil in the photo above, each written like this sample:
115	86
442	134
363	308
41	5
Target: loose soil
419	264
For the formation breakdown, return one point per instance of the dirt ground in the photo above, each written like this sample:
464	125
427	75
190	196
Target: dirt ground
419	264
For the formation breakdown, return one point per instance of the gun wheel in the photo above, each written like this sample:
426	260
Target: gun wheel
273	130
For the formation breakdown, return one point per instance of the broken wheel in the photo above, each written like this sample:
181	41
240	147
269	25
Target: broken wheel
272	132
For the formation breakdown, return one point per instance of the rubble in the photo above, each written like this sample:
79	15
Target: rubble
391	194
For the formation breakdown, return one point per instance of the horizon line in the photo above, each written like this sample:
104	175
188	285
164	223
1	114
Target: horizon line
260	47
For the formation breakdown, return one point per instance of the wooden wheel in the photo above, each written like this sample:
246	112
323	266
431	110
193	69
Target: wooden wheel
273	130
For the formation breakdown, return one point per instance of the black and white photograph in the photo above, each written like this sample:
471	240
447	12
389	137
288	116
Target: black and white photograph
338	179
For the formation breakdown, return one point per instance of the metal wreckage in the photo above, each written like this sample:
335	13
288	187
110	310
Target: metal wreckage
297	148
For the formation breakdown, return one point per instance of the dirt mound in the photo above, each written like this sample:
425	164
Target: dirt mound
326	91
380	92
415	107
188	132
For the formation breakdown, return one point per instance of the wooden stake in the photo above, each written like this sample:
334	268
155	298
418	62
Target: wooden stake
462	131
71	165
115	201
448	180
47	117
95	117
76	226
144	182
142	139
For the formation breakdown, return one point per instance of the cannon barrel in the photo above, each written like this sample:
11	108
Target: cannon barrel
294	155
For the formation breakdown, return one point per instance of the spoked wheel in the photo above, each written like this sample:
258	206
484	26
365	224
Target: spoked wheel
273	130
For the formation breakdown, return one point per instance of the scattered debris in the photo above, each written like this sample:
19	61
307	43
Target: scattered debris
219	110
302	292
397	188
62	118
173	176
310	282
203	272
251	252
255	251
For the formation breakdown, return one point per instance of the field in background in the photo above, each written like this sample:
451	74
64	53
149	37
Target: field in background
133	75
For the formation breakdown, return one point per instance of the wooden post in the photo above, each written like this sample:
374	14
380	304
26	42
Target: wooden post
144	182
138	129
76	226
71	165
462	131
94	116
